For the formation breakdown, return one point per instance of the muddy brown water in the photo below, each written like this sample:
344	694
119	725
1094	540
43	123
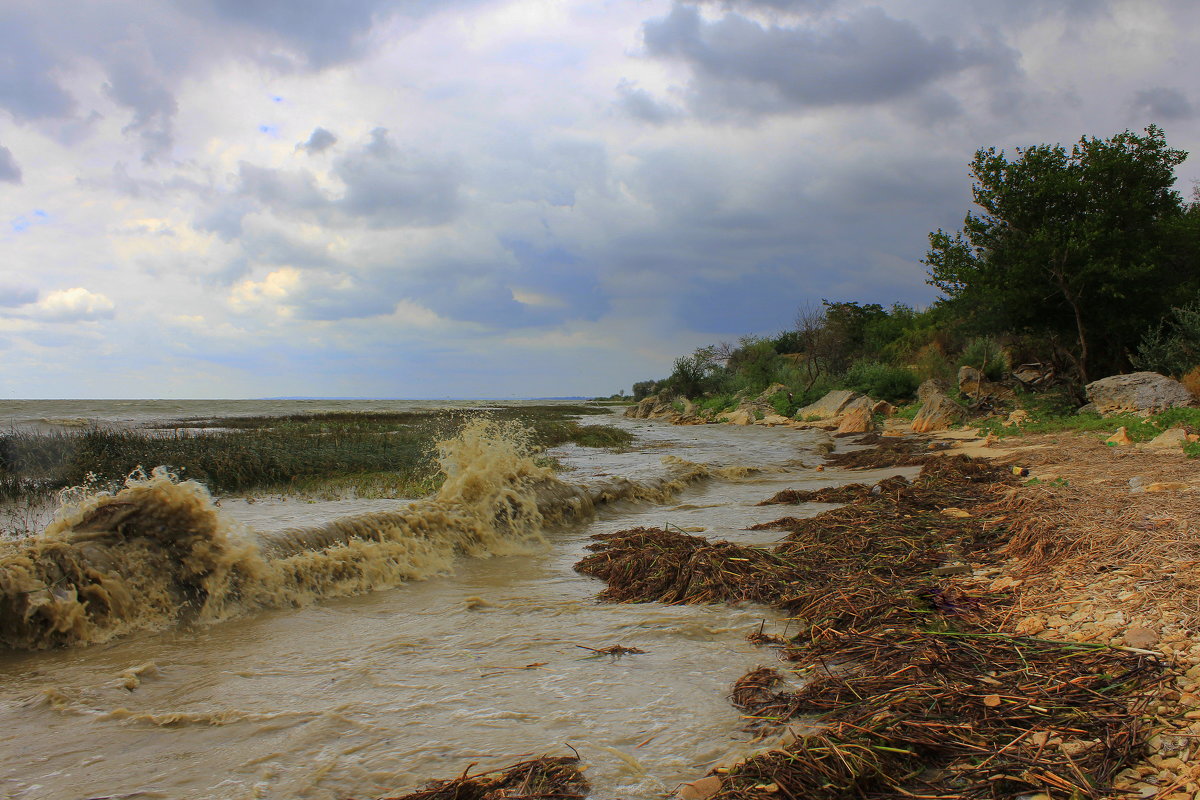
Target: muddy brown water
480	662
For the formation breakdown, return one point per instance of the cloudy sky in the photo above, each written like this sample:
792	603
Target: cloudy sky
465	198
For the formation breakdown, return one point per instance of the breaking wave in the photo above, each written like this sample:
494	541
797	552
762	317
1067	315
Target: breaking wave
159	552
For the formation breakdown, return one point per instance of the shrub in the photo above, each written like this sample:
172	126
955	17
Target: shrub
985	355
882	381
1172	347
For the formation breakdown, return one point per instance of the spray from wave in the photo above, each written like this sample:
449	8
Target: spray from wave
159	552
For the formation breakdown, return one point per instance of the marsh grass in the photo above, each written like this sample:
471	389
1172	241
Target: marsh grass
373	454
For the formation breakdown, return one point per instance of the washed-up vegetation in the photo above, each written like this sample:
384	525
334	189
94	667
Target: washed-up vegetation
542	778
947	714
372	454
910	684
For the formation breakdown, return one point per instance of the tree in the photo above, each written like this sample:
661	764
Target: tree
1072	245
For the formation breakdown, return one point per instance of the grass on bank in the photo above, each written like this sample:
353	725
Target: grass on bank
336	454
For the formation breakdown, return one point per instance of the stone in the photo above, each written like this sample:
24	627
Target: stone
1141	393
1170	439
931	387
951	569
774	419
831	405
771	391
1140	637
1018	417
937	414
739	417
884	409
1166	486
1120	438
856	417
701	789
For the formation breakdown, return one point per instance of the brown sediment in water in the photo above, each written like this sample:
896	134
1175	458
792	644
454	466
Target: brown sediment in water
916	682
160	553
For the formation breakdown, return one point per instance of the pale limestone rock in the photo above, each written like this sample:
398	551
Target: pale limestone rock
1170	439
828	406
937	414
856	417
1142	393
1120	438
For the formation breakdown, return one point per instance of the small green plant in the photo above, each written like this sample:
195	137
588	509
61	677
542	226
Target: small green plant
881	381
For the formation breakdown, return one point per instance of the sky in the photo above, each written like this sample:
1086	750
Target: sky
509	198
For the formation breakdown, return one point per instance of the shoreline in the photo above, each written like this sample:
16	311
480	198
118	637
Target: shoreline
1037	564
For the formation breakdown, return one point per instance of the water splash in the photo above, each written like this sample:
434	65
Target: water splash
159	552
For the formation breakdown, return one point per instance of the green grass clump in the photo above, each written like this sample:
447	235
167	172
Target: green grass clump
1140	429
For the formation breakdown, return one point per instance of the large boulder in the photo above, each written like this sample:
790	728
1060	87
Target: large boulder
652	406
857	417
931	387
831	405
937	413
1141	393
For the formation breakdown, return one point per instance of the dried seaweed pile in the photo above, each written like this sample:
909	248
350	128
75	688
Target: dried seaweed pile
871	559
653	564
545	778
832	494
946	714
885	452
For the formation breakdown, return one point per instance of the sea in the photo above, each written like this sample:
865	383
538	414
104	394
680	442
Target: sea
282	647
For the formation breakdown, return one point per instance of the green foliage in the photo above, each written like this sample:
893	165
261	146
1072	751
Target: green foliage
1140	429
985	354
718	403
881	381
1080	246
1172	347
784	403
643	389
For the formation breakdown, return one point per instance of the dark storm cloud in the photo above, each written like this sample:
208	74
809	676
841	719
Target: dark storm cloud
27	86
1162	103
640	104
10	171
324	32
318	142
776	5
385	187
870	57
136	87
389	188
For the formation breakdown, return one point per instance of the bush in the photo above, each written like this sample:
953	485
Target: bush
985	355
1172	347
881	381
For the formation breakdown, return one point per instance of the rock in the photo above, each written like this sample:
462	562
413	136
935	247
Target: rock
1166	486
740	417
1018	417
1141	638
970	380
771	391
1120	438
652	406
828	406
701	789
1170	439
931	387
774	419
938	413
883	408
1141	393
1031	375
856	417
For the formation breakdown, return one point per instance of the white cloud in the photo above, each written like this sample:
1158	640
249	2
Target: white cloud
73	305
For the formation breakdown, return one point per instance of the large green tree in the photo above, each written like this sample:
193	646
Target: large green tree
1077	246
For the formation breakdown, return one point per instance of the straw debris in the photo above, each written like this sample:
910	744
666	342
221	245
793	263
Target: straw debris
951	714
545	778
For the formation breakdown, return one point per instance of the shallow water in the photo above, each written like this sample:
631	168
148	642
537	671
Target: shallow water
371	695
